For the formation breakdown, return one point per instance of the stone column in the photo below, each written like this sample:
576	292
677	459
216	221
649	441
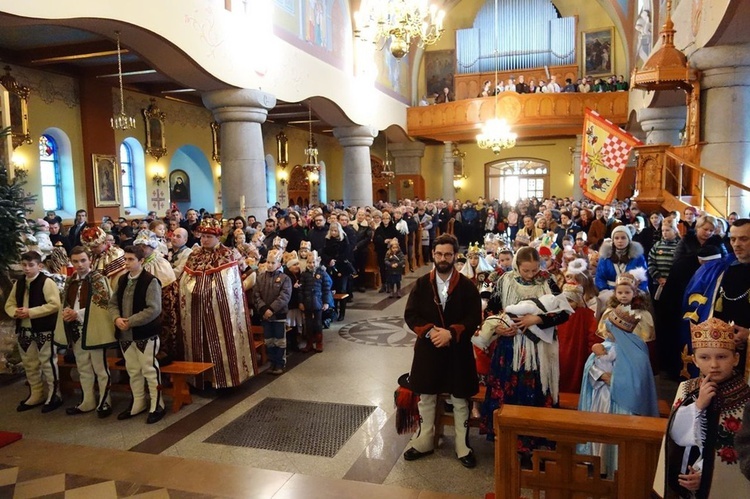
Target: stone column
448	191
407	157
663	124
240	113
356	141
725	95
576	165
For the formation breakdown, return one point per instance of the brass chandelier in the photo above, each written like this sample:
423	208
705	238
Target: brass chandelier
311	166
496	134
401	21
121	121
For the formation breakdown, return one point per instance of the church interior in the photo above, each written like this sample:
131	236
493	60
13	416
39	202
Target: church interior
234	106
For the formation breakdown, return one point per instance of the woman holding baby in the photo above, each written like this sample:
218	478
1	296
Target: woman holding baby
525	367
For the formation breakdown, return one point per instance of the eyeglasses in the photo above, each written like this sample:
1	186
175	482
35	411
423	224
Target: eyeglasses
446	256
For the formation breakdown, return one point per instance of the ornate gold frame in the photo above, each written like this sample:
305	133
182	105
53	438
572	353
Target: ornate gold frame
18	109
608	32
216	141
156	145
107	179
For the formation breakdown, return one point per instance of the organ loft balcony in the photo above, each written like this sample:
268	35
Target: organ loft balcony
529	115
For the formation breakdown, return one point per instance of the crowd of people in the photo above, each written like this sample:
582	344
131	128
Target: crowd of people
584	84
551	296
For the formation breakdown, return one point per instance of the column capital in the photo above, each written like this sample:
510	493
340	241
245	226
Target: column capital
355	136
239	104
723	65
407	149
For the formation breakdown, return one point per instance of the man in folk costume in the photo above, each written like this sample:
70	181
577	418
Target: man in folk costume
700	459
105	257
213	311
444	310
723	291
85	323
170	348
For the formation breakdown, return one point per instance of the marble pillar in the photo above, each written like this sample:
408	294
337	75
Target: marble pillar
356	141
725	104
448	161
663	124
240	113
407	157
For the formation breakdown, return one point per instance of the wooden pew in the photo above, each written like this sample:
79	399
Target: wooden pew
566	400
178	371
259	342
562	472
372	268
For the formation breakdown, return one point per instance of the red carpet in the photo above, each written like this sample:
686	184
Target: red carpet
7	438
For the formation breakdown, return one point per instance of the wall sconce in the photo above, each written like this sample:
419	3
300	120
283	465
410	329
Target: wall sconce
314	178
19	166
282	149
457	184
159	177
283	178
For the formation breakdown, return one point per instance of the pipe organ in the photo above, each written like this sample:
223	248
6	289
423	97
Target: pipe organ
530	35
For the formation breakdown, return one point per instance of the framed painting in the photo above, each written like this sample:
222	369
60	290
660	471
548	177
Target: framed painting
440	67
179	186
106	180
156	145
18	108
598	52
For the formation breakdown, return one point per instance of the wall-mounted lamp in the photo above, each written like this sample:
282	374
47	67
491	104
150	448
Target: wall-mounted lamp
314	178
282	149
283	178
19	166
159	177
457	182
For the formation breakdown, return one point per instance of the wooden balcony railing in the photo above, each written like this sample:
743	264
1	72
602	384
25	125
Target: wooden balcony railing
670	177
564	474
530	115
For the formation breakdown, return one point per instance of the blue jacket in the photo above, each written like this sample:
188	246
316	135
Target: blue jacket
316	289
606	275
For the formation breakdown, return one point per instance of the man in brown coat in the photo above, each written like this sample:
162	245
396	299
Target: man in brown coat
444	310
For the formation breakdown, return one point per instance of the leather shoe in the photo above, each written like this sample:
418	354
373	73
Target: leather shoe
74	411
104	411
23	406
156	416
413	454
468	461
126	415
52	404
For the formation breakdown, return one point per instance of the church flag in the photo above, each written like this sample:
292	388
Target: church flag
604	156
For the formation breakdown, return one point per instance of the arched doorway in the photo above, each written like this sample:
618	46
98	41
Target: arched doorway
517	178
299	187
380	184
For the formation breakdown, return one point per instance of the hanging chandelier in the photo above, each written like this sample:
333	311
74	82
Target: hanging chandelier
496	134
387	173
121	121
311	151
401	21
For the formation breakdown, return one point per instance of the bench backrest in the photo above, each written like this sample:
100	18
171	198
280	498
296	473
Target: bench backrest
565	473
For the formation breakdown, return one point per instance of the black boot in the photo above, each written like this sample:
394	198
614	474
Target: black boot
342	310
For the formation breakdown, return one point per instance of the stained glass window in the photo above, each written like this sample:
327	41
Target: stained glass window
128	183
49	166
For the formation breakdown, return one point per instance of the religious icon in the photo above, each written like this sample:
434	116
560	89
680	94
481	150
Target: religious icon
179	186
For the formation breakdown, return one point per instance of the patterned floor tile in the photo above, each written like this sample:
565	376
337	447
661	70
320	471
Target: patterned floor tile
103	490
40	486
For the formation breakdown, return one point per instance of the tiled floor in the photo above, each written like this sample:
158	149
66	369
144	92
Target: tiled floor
172	459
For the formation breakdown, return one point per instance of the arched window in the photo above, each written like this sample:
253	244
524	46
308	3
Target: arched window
514	179
128	182
49	163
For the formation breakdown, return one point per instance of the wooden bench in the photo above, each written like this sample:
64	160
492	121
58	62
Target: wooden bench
178	371
565	473
340	296
372	268
259	342
566	400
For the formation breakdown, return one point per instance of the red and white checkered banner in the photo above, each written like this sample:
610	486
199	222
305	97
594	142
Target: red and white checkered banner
605	153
